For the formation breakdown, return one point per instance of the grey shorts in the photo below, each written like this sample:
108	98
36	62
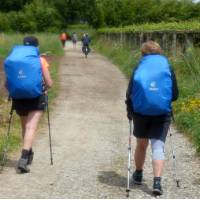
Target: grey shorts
151	127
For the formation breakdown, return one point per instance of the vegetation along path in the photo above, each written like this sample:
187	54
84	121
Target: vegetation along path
90	136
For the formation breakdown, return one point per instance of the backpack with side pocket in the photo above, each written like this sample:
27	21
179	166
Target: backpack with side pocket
23	72
152	86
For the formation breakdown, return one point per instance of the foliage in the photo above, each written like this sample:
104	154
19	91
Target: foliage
30	15
4	22
125	12
78	11
13	5
44	18
33	17
80	29
163	26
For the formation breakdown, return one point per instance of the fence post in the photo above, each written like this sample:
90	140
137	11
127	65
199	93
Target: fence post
164	37
135	39
188	40
141	38
174	44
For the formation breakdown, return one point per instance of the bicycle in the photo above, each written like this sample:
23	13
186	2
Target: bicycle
85	50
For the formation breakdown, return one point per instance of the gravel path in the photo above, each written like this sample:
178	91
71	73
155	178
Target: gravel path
90	133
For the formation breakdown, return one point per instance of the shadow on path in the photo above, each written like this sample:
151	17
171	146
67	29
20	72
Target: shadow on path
11	163
113	179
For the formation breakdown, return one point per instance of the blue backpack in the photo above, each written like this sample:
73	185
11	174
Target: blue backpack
152	86
23	72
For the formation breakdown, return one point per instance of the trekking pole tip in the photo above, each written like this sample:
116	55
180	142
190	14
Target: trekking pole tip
127	192
178	183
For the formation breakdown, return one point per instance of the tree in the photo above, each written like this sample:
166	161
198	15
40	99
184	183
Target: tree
12	5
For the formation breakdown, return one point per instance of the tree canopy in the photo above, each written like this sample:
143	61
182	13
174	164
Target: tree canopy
51	15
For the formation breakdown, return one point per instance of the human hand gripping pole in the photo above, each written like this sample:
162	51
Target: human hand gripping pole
129	109
50	143
129	157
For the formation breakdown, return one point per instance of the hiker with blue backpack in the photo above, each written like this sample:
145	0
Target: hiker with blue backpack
151	90
27	80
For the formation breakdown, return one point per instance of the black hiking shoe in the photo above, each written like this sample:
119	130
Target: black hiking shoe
30	158
22	165
137	177
157	188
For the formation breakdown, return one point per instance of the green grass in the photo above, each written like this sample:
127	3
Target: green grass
149	27
54	74
188	106
49	43
80	29
15	135
187	69
121	55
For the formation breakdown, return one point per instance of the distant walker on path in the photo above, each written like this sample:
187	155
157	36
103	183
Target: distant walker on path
74	39
63	38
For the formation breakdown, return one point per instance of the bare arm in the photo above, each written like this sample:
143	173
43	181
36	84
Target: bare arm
46	74
47	77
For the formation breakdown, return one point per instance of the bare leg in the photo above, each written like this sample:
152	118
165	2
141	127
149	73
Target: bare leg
140	153
23	124
158	167
30	129
29	126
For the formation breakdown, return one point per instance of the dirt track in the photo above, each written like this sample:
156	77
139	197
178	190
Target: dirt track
90	133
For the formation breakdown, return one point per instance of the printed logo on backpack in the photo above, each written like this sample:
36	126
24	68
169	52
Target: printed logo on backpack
152	86
23	72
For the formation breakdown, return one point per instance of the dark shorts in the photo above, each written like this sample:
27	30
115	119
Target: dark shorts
152	127
24	106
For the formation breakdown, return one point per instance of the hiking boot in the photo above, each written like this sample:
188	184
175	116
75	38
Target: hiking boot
30	158
137	177
22	165
157	188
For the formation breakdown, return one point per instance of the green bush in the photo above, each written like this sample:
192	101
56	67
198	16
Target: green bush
32	18
4	23
44	18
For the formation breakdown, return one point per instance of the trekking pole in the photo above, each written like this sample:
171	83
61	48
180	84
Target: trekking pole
50	145
3	161
129	157
174	156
